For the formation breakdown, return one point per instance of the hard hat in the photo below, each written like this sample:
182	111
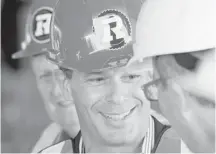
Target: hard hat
91	35
36	29
175	26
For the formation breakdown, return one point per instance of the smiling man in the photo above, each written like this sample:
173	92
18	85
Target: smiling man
92	40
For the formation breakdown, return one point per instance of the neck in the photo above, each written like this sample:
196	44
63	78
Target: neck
95	146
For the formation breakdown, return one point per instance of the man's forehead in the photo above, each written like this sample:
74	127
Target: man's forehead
136	66
42	63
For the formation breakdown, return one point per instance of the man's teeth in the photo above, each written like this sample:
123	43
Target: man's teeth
117	116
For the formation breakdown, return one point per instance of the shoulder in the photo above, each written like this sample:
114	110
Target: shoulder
170	142
184	148
68	145
166	139
171	134
164	129
47	137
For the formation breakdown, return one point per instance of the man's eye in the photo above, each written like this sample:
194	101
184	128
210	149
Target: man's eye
45	75
131	78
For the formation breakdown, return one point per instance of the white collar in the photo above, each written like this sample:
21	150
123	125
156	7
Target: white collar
148	142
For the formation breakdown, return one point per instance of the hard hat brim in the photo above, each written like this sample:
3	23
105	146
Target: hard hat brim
24	54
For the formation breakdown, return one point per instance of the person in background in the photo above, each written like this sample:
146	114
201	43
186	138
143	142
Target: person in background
180	36
58	102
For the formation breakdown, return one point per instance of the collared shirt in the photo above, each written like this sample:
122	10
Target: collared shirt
148	142
159	139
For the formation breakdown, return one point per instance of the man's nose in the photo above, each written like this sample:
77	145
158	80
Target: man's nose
56	91
118	93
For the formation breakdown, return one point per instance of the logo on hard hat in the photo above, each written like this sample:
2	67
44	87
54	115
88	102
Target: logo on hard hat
111	31
40	28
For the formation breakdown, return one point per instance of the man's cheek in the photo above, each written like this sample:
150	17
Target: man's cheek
45	92
170	104
164	101
82	100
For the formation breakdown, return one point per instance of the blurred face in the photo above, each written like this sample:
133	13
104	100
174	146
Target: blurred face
57	98
111	105
191	115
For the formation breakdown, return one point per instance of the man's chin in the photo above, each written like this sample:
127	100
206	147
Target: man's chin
114	136
118	138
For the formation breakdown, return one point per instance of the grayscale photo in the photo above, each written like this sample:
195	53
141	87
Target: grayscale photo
108	76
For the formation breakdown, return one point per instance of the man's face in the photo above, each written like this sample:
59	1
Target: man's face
192	116
58	100
111	106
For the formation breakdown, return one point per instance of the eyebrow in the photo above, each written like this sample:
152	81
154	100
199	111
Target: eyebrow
92	73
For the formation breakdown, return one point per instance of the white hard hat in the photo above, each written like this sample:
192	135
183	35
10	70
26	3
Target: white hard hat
175	26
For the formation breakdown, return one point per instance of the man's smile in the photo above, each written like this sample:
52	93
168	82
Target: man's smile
118	116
